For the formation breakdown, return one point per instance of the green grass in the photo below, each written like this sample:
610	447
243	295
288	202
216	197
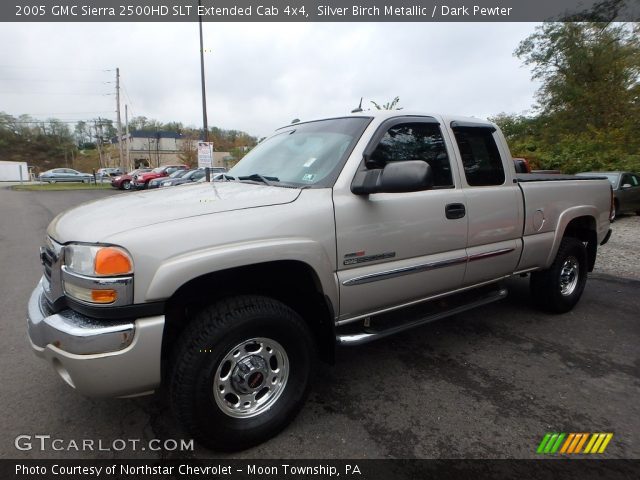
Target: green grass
49	187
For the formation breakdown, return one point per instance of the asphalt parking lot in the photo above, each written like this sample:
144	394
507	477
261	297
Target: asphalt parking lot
485	384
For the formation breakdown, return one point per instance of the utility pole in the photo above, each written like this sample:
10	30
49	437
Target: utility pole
205	126
98	142
118	116
126	127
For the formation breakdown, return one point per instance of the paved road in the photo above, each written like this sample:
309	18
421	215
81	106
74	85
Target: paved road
488	383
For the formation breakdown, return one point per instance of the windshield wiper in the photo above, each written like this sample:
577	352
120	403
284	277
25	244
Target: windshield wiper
260	178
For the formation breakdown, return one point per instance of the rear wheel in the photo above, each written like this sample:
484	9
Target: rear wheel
560	287
241	372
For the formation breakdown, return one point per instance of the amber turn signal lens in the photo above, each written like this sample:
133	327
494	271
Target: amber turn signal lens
103	296
112	261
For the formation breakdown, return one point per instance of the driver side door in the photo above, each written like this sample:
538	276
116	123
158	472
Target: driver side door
399	248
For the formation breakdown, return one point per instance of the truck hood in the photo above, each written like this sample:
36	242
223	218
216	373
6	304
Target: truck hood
97	220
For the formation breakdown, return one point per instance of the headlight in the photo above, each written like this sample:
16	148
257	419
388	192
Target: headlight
98	275
93	260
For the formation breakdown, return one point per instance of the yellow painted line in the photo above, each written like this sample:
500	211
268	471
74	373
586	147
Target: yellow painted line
567	442
598	442
591	442
575	442
605	443
584	439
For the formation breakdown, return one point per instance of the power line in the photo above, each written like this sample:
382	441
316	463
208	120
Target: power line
69	113
39	80
40	67
57	93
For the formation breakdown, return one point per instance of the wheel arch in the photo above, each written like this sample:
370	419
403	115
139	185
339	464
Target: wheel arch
582	227
292	282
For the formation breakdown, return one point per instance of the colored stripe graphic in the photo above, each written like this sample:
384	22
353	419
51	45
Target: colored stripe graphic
573	443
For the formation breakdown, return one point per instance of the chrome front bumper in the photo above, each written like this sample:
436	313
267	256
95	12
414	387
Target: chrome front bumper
99	358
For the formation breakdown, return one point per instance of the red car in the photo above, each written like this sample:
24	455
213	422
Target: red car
123	182
142	180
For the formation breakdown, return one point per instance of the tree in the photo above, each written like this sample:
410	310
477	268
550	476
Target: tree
589	72
392	105
588	106
189	149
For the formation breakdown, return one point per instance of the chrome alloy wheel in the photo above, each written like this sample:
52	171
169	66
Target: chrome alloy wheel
251	377
569	275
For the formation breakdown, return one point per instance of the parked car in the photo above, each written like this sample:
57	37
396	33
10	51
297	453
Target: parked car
123	182
522	165
65	175
626	189
109	172
142	180
189	177
217	173
155	183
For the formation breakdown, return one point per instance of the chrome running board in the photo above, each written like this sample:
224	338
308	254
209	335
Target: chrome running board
368	331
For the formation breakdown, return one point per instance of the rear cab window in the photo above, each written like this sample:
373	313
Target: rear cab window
479	155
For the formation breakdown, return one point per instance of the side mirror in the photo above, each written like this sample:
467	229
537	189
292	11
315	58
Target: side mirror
398	177
626	185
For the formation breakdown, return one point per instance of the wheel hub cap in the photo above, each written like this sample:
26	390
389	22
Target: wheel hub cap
569	276
249	374
251	377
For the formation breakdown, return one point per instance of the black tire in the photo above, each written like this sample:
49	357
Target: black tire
201	357
126	185
553	290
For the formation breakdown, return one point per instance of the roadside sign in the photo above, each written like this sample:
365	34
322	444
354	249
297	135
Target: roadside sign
205	154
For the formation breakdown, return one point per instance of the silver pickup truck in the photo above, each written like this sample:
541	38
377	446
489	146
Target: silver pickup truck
330	232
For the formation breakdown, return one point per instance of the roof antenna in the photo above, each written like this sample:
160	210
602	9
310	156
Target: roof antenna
295	120
359	109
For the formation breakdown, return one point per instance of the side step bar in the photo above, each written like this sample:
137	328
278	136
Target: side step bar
367	334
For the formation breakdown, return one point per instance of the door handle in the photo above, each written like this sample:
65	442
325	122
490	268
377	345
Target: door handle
454	211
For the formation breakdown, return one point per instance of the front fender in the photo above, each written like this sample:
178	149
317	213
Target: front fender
177	271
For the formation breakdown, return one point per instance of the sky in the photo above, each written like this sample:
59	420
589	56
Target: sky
260	76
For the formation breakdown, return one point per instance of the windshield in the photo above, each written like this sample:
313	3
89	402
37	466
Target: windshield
308	154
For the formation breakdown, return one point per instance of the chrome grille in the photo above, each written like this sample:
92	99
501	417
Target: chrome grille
47	258
51	258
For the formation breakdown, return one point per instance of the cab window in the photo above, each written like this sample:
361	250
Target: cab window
480	156
415	141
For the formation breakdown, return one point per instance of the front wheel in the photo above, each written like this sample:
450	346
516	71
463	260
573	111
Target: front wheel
126	185
559	288
241	371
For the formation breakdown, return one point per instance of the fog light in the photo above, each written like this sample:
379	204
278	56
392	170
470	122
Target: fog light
90	295
104	296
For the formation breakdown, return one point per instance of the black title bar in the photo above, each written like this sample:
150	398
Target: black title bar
318	10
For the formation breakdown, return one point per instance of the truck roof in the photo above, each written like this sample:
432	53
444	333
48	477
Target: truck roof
382	115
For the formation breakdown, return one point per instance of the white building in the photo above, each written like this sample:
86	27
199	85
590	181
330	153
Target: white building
14	171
